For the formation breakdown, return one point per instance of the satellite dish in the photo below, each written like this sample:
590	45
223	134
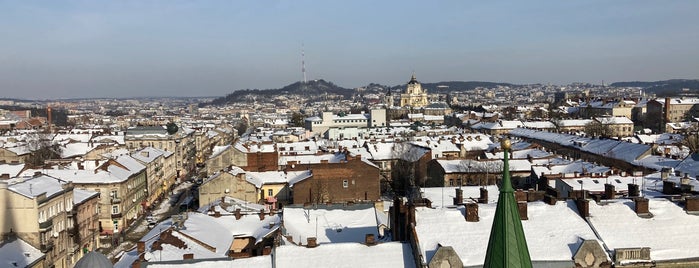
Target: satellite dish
55	234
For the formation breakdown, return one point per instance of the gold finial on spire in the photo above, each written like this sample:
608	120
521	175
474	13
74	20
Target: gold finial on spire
506	144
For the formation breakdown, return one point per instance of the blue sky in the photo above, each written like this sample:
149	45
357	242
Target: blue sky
69	49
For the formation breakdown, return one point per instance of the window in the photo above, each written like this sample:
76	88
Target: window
114	194
270	192
115	209
345	184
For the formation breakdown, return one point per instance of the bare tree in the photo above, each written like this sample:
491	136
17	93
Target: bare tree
595	128
42	149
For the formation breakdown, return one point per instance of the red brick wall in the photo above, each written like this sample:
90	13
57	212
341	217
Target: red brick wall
262	161
326	184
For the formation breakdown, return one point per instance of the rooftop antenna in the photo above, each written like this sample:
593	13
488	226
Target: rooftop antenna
303	63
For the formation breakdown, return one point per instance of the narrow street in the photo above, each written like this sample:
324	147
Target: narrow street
168	207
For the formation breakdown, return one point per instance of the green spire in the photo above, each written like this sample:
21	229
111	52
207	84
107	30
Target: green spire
507	246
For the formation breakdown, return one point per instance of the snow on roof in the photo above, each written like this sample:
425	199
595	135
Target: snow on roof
668	233
12	169
553	232
596	185
80	195
254	147
148	154
264	261
578	166
689	165
539	124
574	122
249	225
276	177
35	186
613	120
664	138
391	254
312	159
520	154
16	252
444	196
74	137
218	150
119	139
75	149
331	224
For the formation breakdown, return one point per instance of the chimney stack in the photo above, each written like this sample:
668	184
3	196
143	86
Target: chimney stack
141	247
633	190
520	195
583	207
483	199
692	204
188	256
369	240
459	199
238	215
522	207
311	242
609	191
262	215
641	206
472	212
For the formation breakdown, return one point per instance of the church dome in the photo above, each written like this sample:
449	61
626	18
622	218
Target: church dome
94	259
413	80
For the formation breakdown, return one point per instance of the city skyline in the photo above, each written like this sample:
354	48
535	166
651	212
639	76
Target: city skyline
74	49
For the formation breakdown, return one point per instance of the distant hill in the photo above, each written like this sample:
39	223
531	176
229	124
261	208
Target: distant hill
666	87
310	88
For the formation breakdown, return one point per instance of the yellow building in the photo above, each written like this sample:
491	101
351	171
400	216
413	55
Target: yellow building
38	210
415	96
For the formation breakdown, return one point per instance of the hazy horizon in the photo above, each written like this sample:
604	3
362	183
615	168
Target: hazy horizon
84	49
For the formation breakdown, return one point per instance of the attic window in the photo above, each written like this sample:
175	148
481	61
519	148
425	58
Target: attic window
345	184
596	181
617	180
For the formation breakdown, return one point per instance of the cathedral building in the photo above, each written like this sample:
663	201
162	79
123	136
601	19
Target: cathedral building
414	96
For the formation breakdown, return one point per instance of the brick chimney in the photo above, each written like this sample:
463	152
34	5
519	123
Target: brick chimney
141	247
692	204
311	242
459	199
609	191
369	240
522	206
583	207
238	215
520	195
262	215
641	206
483	199
217	214
668	187
472	212
633	190
188	256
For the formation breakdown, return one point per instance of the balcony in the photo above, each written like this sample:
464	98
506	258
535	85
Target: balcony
116	215
46	225
116	200
46	246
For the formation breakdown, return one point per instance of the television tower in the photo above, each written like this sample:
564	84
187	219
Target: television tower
303	63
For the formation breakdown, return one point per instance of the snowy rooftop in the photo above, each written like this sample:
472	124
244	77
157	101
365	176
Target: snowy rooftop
597	184
276	177
331	224
312	159
392	254
80	195
11	169
35	186
444	196
257	262
668	233
553	233
17	253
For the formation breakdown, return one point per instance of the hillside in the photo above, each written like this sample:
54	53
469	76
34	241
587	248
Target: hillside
666	87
